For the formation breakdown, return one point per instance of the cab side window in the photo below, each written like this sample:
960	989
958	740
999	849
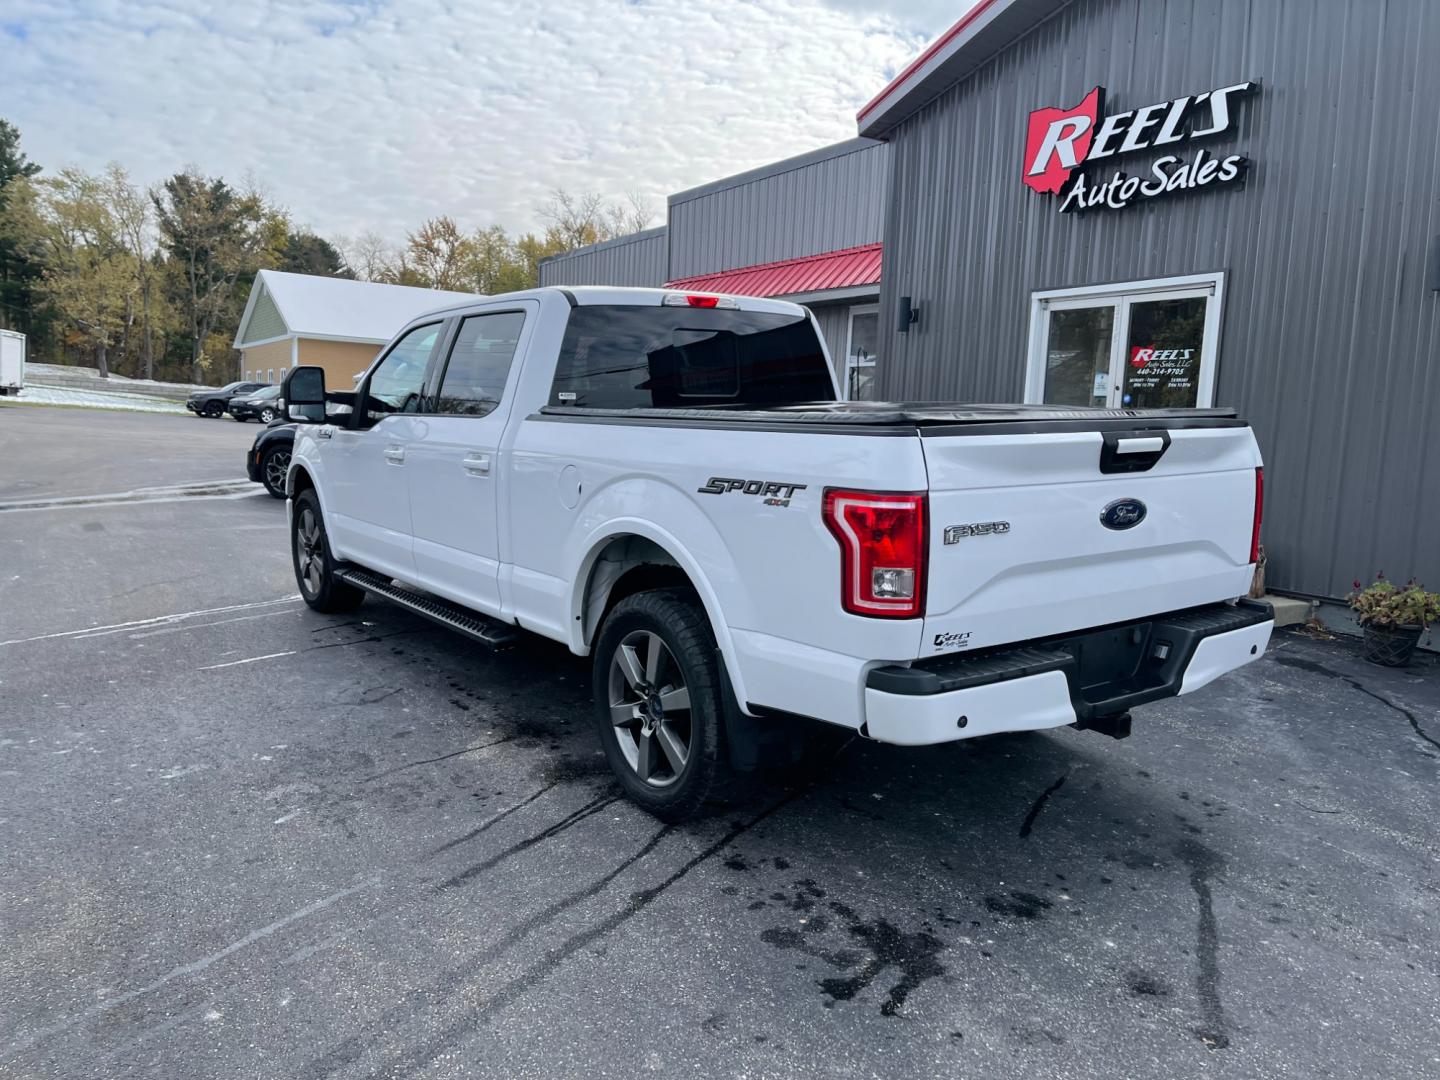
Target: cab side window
396	384
479	364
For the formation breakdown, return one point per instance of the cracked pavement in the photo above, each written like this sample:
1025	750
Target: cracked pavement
243	839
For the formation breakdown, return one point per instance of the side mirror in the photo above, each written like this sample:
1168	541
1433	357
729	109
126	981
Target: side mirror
303	392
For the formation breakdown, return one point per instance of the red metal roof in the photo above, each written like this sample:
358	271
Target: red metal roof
815	273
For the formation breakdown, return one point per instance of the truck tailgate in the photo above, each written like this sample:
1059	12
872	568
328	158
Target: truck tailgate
1039	532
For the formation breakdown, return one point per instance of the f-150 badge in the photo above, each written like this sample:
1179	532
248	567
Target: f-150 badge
955	533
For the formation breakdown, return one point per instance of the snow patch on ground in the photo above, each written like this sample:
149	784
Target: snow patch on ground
96	399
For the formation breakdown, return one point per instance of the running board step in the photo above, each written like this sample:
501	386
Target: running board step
472	624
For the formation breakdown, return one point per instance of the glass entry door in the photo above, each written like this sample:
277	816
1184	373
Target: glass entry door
1141	345
863	344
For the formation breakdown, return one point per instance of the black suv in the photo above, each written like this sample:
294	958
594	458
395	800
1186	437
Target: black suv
263	405
212	403
268	459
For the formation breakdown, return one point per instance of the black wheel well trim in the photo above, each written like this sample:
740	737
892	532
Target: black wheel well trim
626	564
300	482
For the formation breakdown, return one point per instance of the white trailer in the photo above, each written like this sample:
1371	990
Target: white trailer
12	362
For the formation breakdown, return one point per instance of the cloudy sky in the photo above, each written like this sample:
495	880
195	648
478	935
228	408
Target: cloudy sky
375	114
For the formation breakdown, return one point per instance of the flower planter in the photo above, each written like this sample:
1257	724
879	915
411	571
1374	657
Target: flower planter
1390	646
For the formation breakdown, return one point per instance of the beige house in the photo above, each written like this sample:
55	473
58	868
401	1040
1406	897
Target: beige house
334	323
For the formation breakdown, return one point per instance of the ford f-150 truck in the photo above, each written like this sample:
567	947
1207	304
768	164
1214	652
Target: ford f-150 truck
665	482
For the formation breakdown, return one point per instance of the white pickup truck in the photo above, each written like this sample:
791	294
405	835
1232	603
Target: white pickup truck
664	481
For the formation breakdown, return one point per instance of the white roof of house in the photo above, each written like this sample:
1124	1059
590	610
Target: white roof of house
340	309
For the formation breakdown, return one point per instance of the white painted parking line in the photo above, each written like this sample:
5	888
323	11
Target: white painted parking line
203	625
251	660
206	489
159	620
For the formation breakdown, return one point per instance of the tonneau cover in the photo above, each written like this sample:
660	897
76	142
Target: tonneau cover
907	414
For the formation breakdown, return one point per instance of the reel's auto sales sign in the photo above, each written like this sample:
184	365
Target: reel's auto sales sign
1060	143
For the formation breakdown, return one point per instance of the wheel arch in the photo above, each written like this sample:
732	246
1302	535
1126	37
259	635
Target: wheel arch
299	480
632	557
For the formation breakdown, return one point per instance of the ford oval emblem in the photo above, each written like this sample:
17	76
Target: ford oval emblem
1123	514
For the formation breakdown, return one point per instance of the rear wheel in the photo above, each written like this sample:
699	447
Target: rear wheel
274	467
659	705
320	586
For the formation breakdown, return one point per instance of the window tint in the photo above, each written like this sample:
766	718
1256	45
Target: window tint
395	385
616	357
480	363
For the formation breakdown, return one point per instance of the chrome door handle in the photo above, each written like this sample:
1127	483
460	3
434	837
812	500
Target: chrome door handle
395	455
477	464
324	432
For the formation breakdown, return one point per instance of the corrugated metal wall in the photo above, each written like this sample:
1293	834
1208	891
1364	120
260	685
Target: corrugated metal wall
1331	340
811	204
834	321
636	260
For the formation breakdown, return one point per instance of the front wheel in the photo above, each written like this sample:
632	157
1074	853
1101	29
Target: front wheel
659	703
267	415
320	586
274	467
214	410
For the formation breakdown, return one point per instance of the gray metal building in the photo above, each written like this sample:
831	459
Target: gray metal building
1270	242
807	229
640	259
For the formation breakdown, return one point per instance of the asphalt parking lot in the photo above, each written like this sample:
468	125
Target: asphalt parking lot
244	839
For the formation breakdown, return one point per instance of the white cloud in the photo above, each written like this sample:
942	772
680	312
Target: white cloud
374	114
929	18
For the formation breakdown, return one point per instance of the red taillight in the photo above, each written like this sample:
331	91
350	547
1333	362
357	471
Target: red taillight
1259	512
702	301
882	551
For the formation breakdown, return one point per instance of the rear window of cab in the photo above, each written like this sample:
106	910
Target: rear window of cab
629	357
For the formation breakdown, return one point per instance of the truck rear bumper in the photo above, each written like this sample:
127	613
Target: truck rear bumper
1065	680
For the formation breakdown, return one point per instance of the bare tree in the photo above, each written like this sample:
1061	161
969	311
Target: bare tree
130	210
578	220
575	220
368	255
632	216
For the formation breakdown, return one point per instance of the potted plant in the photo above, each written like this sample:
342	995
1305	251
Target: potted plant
1393	618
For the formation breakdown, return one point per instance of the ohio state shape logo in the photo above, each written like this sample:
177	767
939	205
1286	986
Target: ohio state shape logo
1059	141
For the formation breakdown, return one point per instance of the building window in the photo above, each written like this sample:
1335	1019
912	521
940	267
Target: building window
861	345
1135	345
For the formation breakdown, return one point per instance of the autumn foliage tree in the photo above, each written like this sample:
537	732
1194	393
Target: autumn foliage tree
154	282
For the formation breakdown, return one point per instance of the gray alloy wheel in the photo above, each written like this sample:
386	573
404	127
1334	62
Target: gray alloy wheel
650	708
310	551
321	586
273	470
267	415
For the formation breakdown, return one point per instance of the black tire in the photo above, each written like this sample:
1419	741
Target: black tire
274	464
214	410
690	664
267	416
314	564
